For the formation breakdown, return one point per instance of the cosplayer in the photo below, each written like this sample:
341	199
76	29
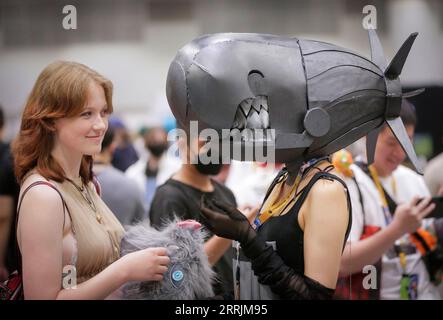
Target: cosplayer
311	99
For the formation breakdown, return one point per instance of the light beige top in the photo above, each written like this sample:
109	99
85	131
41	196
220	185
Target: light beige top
92	246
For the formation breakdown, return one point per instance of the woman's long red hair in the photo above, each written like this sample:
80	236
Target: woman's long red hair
60	91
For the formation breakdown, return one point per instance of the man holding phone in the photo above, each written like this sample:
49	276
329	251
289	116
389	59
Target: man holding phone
389	226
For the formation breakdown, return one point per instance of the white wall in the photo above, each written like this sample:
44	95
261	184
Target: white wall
138	70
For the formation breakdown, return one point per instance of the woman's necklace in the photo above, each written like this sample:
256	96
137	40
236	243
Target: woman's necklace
84	191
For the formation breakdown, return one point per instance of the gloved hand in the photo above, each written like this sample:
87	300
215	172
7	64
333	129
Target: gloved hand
225	220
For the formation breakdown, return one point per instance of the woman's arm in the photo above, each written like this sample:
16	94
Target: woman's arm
40	236
326	218
144	265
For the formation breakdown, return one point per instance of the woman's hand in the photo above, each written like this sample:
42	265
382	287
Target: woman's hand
145	265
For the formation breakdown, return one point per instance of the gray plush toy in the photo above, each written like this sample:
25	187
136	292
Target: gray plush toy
189	275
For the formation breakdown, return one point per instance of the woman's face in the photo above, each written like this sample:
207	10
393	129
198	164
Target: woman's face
84	133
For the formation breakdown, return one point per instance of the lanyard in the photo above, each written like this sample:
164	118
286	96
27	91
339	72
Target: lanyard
264	216
277	207
381	193
385	207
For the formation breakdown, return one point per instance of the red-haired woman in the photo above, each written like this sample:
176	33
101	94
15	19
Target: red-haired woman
64	228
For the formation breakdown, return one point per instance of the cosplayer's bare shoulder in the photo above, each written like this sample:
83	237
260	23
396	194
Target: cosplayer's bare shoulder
325	219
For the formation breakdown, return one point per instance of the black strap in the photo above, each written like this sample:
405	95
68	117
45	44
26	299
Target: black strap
281	173
331	177
304	192
422	241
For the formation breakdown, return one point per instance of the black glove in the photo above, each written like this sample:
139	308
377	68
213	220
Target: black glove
227	222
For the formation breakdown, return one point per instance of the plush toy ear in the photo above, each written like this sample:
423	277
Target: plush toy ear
189	224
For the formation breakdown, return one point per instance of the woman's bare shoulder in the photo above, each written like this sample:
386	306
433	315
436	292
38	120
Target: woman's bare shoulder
39	210
38	194
32	177
328	186
328	195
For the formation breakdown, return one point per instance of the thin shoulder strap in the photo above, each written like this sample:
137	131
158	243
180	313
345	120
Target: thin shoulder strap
305	191
274	182
36	183
329	176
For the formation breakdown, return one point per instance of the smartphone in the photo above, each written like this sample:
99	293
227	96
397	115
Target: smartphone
438	211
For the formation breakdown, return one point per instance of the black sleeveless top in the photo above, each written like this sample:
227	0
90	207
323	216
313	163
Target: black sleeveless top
284	231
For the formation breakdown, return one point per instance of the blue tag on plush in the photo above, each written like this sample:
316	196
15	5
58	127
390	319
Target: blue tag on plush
176	275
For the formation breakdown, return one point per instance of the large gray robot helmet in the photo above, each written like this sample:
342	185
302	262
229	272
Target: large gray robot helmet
316	97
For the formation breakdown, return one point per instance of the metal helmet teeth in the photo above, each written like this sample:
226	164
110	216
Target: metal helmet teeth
264	117
246	105
252	113
256	104
264	102
253	120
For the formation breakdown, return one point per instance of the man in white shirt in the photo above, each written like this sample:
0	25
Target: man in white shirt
381	231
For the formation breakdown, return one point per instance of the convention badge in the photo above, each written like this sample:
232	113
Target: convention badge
404	285
409	287
413	287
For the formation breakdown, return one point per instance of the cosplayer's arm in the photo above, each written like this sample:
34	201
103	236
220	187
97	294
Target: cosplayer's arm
407	218
268	265
40	237
326	219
